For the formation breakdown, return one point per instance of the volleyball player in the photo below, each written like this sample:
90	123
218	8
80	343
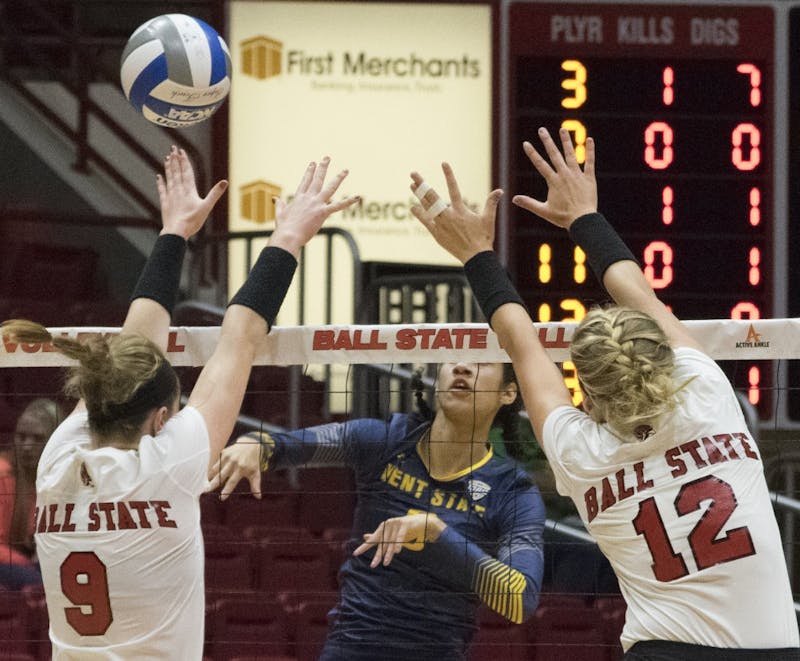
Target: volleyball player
659	462
118	484
441	524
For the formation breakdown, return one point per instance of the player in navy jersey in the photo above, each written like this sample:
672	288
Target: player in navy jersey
441	525
660	463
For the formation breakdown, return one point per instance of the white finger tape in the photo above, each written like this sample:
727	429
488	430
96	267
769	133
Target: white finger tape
436	208
421	190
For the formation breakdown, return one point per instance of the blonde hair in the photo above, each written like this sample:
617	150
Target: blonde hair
109	373
625	365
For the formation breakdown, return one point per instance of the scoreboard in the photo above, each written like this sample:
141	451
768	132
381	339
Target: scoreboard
687	104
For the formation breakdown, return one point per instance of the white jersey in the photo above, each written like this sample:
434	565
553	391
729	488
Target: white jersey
119	541
684	517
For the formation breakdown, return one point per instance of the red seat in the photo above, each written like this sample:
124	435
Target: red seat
296	563
228	565
567	633
278	505
327	498
311	628
38	622
247	625
14	624
497	638
612	612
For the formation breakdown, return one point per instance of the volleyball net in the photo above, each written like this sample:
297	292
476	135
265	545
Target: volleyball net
271	563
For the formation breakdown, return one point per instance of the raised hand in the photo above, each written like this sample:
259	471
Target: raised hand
571	191
411	531
183	211
296	222
457	228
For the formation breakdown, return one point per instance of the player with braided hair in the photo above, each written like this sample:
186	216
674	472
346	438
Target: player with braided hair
119	482
660	463
441	523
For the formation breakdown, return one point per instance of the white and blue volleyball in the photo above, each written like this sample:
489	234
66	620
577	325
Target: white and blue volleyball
176	70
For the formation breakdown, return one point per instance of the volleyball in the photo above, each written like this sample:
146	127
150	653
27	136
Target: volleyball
176	70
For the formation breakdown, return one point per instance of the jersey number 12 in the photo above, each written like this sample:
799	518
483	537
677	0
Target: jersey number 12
706	548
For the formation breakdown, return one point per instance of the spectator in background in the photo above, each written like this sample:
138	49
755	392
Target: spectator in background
18	565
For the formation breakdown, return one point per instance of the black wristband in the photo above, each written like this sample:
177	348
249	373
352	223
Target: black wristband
490	283
601	243
161	276
266	286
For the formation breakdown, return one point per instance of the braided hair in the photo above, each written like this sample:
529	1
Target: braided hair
625	365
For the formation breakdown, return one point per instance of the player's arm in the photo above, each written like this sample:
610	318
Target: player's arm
469	237
572	204
509	584
220	388
330	445
183	214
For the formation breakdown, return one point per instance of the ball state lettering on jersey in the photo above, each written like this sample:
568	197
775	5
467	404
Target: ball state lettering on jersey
105	516
695	454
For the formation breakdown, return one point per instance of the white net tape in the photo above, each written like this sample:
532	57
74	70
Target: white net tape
191	346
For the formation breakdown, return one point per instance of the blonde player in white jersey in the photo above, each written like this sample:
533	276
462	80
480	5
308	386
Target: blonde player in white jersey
118	484
659	462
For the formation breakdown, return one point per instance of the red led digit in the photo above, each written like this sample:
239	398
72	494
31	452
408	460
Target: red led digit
754	258
745	310
663	251
755	81
754	381
752	160
663	132
755	206
667	197
668	77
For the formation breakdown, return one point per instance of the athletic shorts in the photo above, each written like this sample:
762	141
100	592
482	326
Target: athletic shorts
664	650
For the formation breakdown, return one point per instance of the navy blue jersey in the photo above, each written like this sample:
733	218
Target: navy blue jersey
424	604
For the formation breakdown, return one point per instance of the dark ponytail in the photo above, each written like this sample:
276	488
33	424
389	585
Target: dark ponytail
418	386
507	420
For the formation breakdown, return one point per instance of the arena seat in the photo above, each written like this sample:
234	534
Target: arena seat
567	632
327	498
311	627
14	624
497	638
247	625
297	564
278	505
38	622
612	612
228	565
211	512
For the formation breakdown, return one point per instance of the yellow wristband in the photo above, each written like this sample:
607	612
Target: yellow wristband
266	448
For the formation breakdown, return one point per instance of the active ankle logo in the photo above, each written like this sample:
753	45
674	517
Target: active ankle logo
264	57
753	340
256	201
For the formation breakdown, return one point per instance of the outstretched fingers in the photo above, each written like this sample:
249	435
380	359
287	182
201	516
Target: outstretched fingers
452	186
320	172
308	176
